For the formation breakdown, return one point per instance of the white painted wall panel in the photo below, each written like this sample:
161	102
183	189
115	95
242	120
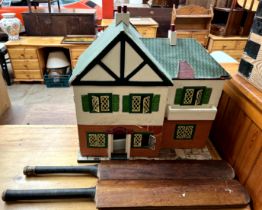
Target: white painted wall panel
112	59
203	113
146	74
120	118
132	59
97	74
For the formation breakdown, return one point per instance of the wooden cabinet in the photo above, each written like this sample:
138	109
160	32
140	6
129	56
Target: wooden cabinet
75	53
147	27
193	21
25	63
233	46
28	55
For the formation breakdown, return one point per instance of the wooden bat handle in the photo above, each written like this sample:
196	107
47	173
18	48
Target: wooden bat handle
43	194
40	170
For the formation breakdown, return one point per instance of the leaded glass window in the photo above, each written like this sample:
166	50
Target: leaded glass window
140	103
192	95
100	102
184	132
143	140
97	140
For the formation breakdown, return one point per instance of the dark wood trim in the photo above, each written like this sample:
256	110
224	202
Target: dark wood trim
108	70
137	69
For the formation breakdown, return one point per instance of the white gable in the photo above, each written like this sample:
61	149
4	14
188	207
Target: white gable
112	59
132	59
146	74
97	73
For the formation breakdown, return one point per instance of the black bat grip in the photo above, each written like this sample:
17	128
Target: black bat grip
44	194
38	170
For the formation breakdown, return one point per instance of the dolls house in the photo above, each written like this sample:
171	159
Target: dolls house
136	96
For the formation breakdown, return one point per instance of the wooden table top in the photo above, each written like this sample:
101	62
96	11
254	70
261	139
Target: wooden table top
40	145
41	41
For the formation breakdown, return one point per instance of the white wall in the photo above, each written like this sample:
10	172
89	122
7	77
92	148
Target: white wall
120	118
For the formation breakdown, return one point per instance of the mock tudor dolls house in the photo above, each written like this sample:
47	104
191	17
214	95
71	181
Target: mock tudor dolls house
136	96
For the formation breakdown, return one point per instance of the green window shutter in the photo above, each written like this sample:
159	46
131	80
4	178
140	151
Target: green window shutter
115	103
155	103
179	96
85	103
206	95
125	104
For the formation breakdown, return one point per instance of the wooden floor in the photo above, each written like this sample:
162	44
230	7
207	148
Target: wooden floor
34	104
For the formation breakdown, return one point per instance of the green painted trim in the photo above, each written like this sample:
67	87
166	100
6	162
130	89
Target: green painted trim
99	95
206	95
87	139
132	140
142	95
125	104
85	103
176	128
178	96
115	103
194	96
155	103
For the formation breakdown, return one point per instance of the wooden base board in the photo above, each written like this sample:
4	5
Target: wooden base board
206	153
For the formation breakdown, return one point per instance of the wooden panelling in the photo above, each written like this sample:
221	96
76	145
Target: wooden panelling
237	134
147	32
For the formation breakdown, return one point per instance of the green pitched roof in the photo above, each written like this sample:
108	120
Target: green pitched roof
205	67
108	36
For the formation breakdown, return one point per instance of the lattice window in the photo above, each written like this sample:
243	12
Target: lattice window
141	103
136	104
141	140
188	98
192	95
100	102
184	132
137	142
146	104
199	97
105	103
95	104
97	140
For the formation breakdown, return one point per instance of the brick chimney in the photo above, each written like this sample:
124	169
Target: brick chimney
122	15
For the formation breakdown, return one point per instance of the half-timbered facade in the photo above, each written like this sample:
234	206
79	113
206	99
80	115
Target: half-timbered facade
136	96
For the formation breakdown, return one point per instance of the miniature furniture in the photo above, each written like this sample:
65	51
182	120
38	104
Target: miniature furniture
233	46
193	21
49	2
5	101
28	55
237	132
3	63
147	27
60	22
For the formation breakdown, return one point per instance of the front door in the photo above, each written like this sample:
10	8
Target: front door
119	144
